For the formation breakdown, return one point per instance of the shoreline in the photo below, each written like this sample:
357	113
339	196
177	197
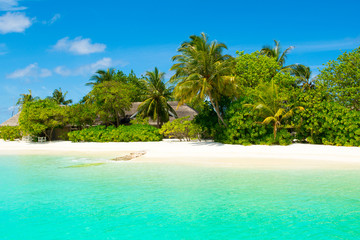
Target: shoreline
295	156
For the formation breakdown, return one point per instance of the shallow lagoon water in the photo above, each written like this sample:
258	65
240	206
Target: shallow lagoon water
48	197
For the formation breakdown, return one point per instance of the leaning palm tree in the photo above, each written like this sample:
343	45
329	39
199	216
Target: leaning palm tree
59	97
275	52
157	95
25	98
102	76
302	74
270	107
202	71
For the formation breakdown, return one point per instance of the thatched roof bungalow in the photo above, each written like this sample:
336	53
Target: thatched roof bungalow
13	121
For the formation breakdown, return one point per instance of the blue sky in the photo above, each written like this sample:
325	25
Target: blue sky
47	44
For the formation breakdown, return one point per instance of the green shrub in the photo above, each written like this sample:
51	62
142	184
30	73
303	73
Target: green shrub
10	133
245	128
327	122
132	133
140	120
181	128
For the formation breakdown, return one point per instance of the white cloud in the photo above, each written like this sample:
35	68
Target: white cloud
78	46
10	5
30	72
63	71
14	22
55	18
52	20
343	44
85	69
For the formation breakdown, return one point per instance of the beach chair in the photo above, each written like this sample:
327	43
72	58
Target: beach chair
26	138
41	139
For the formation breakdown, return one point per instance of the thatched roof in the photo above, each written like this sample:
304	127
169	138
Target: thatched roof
183	111
13	121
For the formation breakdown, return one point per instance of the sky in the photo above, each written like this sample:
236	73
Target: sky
50	44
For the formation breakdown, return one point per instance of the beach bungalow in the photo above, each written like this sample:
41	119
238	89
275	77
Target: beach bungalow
12	122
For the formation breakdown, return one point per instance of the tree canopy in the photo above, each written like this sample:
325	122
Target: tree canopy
203	71
341	79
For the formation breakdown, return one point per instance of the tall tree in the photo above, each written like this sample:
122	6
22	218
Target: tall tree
102	76
202	71
110	99
25	98
275	52
42	117
157	96
59	97
341	79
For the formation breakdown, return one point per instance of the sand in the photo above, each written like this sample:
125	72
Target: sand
295	156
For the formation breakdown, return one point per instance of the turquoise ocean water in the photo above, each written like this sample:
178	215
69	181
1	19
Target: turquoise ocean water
47	197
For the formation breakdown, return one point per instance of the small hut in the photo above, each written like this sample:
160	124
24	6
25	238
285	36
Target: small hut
12	122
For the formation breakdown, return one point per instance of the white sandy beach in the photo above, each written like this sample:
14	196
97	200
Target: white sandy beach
303	156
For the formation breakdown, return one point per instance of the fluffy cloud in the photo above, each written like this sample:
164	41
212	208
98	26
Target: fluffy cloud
30	72
10	5
78	46
14	22
85	69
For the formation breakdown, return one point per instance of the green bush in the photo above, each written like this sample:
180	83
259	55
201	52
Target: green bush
181	128
140	120
328	122
132	133
10	133
245	128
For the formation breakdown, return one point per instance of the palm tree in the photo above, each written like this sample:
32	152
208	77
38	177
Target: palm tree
157	95
102	76
59	97
270	107
202	71
25	98
303	75
275	52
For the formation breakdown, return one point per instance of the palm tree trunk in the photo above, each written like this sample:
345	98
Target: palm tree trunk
216	108
158	118
275	130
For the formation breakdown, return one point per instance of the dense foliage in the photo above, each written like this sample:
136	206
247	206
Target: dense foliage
132	133
10	133
245	127
254	98
81	115
110	100
341	79
328	122
42	117
182	129
254	68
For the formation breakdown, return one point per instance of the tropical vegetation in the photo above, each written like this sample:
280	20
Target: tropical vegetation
133	133
157	95
249	98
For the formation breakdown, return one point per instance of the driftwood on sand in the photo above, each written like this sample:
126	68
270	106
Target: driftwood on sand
130	156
